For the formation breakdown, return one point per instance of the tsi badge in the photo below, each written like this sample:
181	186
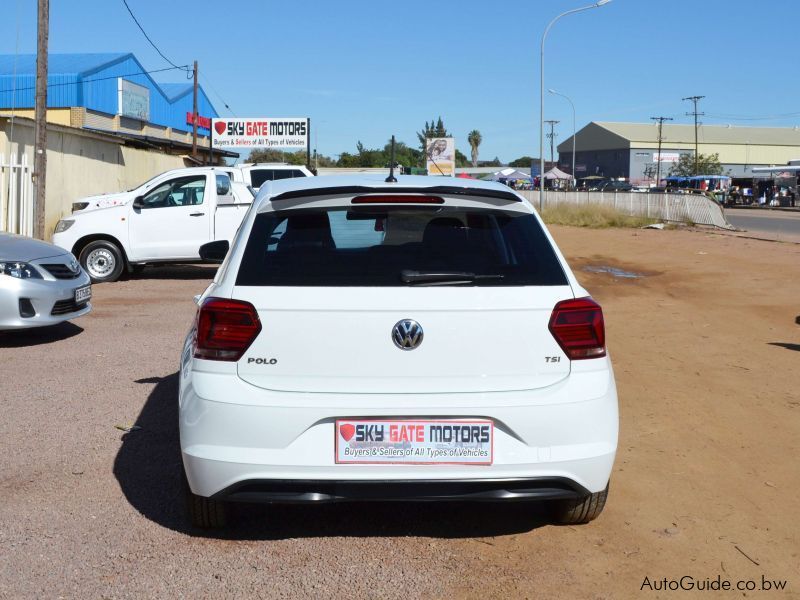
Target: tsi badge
407	334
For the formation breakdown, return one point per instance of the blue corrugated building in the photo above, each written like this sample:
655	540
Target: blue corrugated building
111	93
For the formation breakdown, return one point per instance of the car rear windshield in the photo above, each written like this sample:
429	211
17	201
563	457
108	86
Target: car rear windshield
398	246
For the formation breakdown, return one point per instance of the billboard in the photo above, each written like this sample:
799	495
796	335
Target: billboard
133	100
266	132
440	156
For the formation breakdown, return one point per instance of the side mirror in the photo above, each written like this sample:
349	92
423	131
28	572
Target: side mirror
223	187
138	202
214	252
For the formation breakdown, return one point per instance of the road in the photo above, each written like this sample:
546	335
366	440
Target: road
705	483
771	224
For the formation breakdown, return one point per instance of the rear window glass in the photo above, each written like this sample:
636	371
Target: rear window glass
259	176
381	246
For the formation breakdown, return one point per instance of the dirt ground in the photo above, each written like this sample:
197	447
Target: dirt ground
706	347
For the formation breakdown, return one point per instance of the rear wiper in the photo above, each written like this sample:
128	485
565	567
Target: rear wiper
443	277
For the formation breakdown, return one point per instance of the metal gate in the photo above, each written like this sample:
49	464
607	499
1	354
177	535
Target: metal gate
694	208
16	195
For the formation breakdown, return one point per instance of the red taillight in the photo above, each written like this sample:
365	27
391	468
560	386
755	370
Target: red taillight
225	329
577	325
397	199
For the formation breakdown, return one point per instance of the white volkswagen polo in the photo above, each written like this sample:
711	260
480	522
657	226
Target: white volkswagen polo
420	339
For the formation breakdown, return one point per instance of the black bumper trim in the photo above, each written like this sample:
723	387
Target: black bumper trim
488	490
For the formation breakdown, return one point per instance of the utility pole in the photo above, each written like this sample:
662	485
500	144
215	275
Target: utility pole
694	113
658	162
194	111
40	116
552	136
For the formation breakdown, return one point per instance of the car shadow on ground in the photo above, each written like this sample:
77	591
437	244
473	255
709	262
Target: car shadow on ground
787	345
185	272
38	335
149	471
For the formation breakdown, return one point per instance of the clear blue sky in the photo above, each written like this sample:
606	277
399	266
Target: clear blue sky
363	70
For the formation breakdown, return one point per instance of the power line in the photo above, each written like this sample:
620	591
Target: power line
52	85
695	100
221	99
152	43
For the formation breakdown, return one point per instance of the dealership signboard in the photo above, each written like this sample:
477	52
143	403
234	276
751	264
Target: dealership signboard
133	100
265	132
440	156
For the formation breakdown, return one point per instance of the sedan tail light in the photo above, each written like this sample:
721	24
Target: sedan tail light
225	329
578	327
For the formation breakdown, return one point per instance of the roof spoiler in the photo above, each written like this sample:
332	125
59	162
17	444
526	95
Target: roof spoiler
361	189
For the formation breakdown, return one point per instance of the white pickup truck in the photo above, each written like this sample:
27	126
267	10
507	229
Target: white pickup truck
248	174
179	212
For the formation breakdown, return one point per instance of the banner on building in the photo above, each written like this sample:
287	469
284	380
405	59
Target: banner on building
279	133
440	155
133	100
666	157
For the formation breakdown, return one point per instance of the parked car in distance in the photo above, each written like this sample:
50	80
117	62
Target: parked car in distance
255	174
167	223
417	340
615	186
40	284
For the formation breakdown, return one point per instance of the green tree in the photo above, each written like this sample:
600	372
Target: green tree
522	161
270	155
707	164
461	159
474	138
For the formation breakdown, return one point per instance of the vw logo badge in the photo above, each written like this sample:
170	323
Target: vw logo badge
73	265
407	334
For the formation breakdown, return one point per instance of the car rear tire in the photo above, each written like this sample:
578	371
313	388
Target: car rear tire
205	513
102	260
581	510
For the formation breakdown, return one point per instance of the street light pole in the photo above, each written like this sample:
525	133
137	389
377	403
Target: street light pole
573	131
541	92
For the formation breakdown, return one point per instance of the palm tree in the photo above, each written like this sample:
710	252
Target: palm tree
474	138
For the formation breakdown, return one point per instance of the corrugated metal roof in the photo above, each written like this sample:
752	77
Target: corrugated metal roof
91	81
706	134
57	64
173	90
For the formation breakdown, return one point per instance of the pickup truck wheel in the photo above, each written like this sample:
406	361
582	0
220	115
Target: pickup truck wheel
102	260
582	510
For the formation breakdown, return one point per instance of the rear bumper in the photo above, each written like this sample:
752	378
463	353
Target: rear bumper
242	442
325	491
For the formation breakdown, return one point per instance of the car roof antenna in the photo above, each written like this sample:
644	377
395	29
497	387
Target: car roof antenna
391	178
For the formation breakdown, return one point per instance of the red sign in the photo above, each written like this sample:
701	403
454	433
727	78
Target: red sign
203	122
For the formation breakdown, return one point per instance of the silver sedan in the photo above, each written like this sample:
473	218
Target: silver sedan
40	284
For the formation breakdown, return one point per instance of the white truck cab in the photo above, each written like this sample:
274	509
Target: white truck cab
166	219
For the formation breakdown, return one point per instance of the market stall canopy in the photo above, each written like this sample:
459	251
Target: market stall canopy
556	173
509	173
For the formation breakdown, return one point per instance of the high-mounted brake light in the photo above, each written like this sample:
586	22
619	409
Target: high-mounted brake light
578	327
225	329
397	199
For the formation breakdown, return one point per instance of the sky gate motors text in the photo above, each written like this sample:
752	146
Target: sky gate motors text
265	128
416	433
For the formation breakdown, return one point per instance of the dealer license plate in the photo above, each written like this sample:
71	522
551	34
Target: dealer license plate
83	294
414	442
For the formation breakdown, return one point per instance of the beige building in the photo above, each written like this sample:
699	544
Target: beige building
630	150
79	163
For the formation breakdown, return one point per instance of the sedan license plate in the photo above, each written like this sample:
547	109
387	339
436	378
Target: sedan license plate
83	294
414	442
